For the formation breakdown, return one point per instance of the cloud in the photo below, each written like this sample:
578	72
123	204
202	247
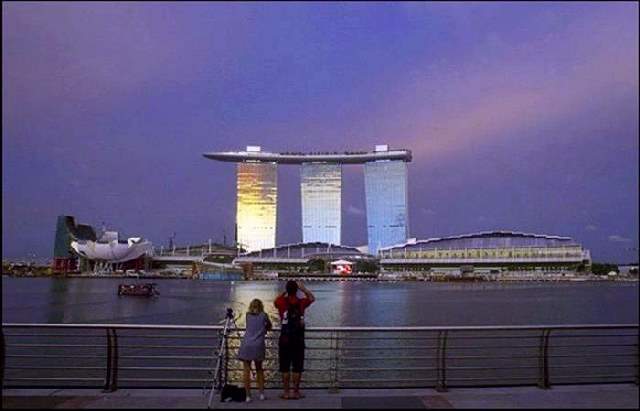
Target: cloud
591	227
355	210
619	239
98	54
535	84
428	211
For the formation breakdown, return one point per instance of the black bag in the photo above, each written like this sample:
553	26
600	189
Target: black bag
292	328
232	392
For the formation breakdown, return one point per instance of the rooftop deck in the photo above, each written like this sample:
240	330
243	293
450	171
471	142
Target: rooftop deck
299	158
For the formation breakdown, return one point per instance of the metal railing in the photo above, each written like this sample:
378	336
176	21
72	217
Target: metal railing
112	356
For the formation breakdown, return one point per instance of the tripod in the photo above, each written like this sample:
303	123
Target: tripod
218	377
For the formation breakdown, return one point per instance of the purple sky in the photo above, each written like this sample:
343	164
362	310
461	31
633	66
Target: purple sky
520	116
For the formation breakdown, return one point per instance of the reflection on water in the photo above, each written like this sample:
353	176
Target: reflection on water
77	300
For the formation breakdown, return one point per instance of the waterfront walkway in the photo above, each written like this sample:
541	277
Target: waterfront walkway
567	396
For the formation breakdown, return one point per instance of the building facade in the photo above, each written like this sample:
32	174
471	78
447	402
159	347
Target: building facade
77	247
321	197
257	200
301	257
386	192
67	231
491	251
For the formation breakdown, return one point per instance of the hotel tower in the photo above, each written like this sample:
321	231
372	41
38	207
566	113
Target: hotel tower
321	195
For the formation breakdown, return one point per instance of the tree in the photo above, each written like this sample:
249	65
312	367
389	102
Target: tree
603	268
316	264
366	267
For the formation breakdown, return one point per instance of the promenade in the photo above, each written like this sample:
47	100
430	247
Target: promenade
565	396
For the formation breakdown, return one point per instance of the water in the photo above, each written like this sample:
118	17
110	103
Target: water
397	361
193	302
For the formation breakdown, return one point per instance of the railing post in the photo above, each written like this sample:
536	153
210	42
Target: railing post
226	359
441	385
546	359
543	360
332	361
107	379
114	373
444	362
334	388
4	353
637	358
438	369
111	380
338	361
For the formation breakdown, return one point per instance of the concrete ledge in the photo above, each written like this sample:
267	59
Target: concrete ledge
567	396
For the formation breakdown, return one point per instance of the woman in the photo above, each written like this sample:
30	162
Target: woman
252	347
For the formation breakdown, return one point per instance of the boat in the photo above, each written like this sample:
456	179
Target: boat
138	290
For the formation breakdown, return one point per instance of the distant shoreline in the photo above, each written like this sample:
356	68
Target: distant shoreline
370	278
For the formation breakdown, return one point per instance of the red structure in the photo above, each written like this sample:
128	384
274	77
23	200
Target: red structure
65	265
64	259
136	264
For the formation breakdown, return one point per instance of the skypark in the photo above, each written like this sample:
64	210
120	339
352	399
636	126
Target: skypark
255	154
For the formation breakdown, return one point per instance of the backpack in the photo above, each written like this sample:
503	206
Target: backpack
232	392
292	327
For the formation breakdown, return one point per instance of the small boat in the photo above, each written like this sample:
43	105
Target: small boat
139	290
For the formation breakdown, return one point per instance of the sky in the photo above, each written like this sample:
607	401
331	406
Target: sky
520	116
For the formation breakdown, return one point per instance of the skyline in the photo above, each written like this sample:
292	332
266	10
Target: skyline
519	117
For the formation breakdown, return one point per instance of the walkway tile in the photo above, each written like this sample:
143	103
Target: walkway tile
583	396
436	401
382	402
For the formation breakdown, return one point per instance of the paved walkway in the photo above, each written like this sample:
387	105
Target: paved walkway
571	396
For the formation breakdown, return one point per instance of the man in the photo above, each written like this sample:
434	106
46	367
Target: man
291	344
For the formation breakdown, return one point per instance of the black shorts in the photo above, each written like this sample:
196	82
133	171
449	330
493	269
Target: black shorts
291	356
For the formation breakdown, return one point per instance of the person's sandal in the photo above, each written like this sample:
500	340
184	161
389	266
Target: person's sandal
285	396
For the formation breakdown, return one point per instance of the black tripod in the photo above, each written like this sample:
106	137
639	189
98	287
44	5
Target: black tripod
218	377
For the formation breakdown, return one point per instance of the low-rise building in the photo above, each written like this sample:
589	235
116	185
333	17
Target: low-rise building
488	252
628	269
301	257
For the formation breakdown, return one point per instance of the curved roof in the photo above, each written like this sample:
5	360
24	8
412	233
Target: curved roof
113	251
499	238
310	249
299	158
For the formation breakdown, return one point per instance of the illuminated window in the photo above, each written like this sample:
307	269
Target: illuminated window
257	195
320	192
386	200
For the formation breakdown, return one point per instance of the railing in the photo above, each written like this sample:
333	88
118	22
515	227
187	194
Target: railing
112	356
